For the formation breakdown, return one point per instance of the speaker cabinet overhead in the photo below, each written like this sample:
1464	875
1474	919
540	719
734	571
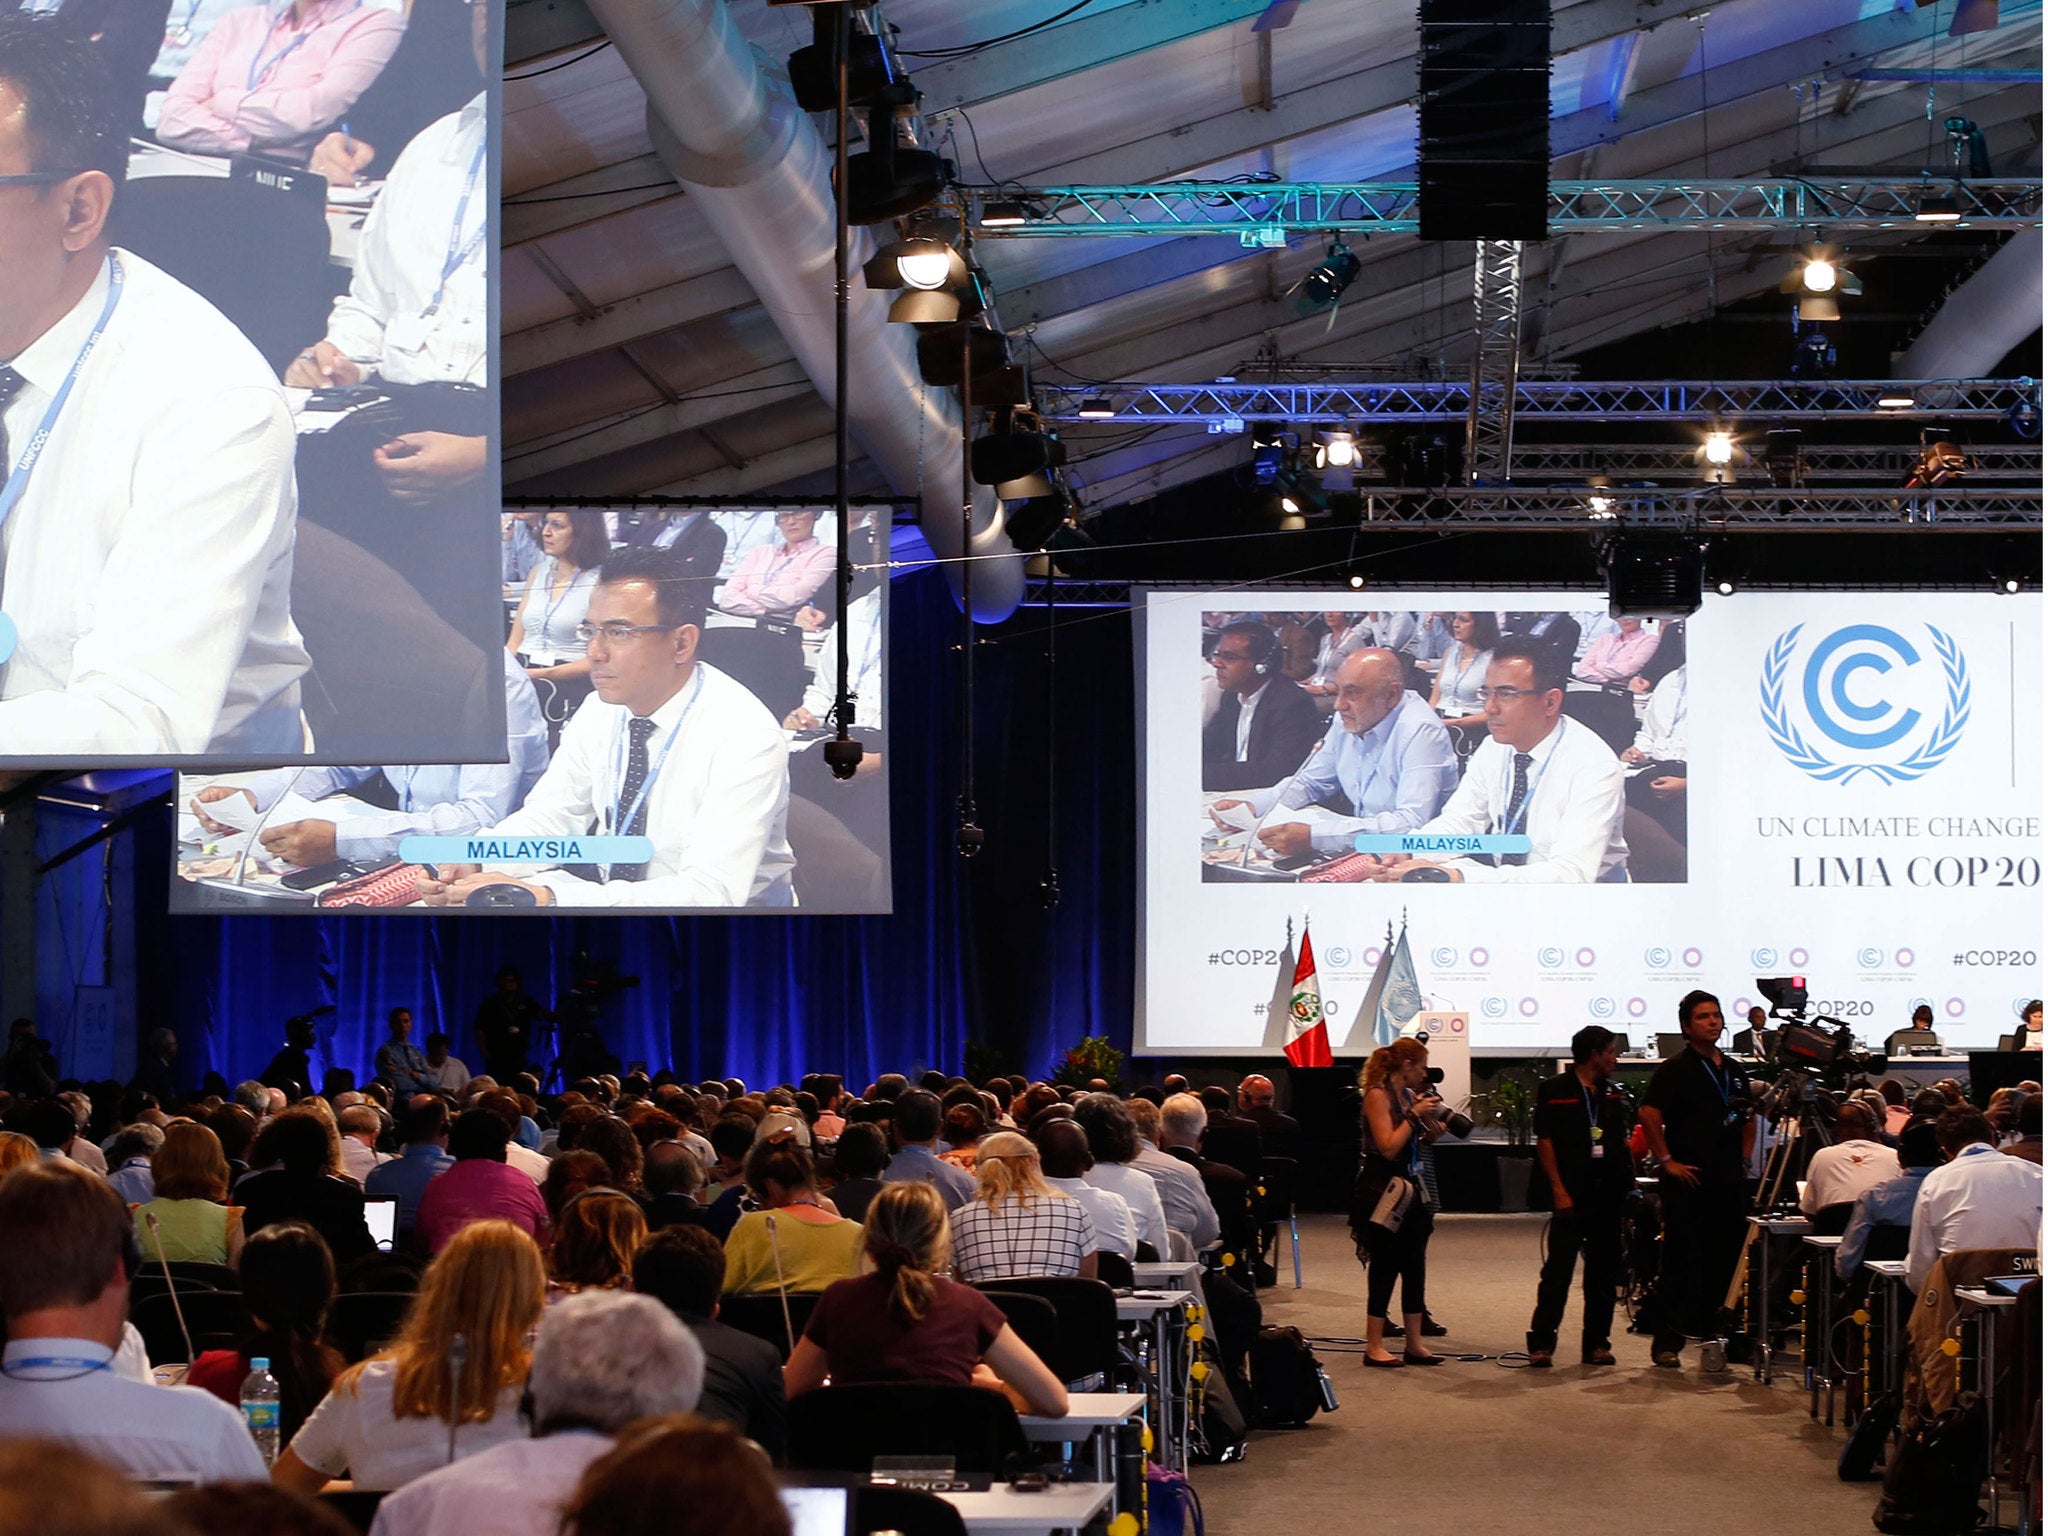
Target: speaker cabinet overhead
1484	151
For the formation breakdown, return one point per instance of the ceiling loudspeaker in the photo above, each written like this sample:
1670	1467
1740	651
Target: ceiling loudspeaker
1483	156
1654	573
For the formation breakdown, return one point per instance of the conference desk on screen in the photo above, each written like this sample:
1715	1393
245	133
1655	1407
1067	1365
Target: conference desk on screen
347	207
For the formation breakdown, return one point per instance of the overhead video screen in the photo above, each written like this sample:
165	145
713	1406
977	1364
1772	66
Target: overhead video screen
669	682
250	428
1580	820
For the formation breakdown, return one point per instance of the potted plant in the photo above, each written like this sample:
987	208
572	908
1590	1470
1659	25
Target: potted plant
1094	1057
1509	1106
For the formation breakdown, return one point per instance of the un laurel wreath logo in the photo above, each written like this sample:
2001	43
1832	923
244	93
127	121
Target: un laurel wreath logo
1848	723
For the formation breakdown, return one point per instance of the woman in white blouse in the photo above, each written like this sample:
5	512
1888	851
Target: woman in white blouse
429	1399
556	599
1462	673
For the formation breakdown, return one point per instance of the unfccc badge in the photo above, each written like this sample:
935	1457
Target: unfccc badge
1865	700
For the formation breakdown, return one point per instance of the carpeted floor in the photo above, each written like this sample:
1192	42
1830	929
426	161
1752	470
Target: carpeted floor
1473	1449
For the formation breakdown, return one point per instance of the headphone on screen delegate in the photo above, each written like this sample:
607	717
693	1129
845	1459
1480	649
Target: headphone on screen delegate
1266	648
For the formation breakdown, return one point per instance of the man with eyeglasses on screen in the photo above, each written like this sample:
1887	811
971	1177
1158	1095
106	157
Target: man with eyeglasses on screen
146	492
667	748
1540	774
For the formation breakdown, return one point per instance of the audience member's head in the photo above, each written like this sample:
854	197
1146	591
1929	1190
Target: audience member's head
569	1175
917	1118
672	1169
70	1249
236	1128
125	1145
1216	1101
778	1172
477	1133
906	1238
569	1128
488	1285
1960	1125
254	1509
594	1240
613	1140
48	1488
1182	1119
252	1096
603	1360
678	1463
1062	1149
189	1165
1894	1092
732	1138
683	1268
1853	1122
1920	1145
862	1152
1928	1104
302	1141
964	1125
2030	1117
287	1277
1006	1168
1112	1133
1146	1116
16	1150
890	1085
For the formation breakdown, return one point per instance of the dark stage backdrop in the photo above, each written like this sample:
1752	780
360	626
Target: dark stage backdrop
970	954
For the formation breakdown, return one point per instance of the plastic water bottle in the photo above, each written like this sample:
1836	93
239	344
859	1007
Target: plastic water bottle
259	1408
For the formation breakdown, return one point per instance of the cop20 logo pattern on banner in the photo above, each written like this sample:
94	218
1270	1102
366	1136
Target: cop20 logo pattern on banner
1824	697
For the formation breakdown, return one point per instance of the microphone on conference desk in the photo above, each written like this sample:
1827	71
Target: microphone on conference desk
242	862
1244	853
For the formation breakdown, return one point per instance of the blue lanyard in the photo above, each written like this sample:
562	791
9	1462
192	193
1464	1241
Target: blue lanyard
261	69
1718	1078
547	617
1470	661
77	1363
1522	811
17	483
1592	1109
619	822
460	251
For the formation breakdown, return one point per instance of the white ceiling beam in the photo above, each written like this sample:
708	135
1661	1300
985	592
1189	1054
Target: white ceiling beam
747	392
770	469
632	319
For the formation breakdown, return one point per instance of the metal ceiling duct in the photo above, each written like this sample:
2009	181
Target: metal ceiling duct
758	168
1996	309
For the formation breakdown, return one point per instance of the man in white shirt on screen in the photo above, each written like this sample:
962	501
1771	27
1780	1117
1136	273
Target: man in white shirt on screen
1540	774
668	748
1385	753
146	518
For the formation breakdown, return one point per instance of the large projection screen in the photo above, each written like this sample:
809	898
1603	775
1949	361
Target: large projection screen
252	468
730	791
1841	786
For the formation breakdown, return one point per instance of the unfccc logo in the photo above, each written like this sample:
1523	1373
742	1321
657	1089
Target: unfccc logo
1601	1007
1865	726
1338	956
1870	959
1550	957
1656	959
1763	958
1494	1007
1444	955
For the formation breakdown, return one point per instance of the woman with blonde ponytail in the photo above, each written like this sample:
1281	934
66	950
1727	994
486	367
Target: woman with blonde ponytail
904	1321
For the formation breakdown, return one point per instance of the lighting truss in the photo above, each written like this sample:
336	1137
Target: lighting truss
1224	408
1266	213
1496	350
1706	508
1818	461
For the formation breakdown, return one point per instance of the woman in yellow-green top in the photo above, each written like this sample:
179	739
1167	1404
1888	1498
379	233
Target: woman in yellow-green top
816	1245
193	1220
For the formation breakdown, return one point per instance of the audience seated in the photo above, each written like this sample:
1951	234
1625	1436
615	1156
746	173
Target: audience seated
48	1488
903	1321
67	1256
1889	1204
1064	1160
673	1175
427	1399
684	1269
188	1217
1113	1143
15	1151
916	1130
299	1178
1856	1161
678	1463
1017	1224
1976	1199
287	1280
601	1362
480	1186
423	1130
129	1152
860	1155
253	1509
595	1238
791	1241
1189	1209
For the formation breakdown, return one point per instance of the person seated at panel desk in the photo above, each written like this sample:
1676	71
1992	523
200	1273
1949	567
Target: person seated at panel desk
148	552
1266	724
270	80
1541	774
1386	754
439	801
667	748
774	581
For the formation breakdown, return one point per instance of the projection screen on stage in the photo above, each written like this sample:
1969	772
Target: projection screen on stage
252	515
1841	786
717	628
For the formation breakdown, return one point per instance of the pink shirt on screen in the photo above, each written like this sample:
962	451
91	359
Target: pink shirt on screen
260	83
1617	657
478	1189
774	580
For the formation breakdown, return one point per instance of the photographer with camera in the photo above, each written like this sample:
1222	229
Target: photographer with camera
1582	1126
1391	1215
1699	1121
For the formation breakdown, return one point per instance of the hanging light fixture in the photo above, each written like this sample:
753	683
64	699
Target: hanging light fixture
1719	447
1818	275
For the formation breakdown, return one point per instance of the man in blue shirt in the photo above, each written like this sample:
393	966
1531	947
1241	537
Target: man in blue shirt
401	1063
1890	1204
1385	753
916	1126
424	1130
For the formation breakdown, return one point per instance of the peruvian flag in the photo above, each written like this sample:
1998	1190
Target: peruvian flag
1308	1041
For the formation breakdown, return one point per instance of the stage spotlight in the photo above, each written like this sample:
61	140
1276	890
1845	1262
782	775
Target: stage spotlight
938	355
1328	278
1818	275
1097	408
1356	581
1269	451
1895	400
1289	505
2009	586
1813	354
1600	508
1002	215
1720	447
1338	449
893	176
1938	208
815	81
1724	569
2024	419
923	262
1006	455
1031	524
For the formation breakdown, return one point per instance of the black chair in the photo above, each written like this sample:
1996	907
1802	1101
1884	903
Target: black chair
215	1319
1147	1254
1114	1271
1273	1202
843	1429
1887	1241
219	1276
1833	1220
146	1285
906	1510
1034	1319
363	1322
358	1509
386	1272
1610	716
762	1317
1088	1344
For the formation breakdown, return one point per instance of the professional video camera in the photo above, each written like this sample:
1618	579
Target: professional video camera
593	984
1801	1045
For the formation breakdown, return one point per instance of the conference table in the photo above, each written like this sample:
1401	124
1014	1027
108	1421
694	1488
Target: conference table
1980	1307
1820	1372
1094	1417
1003	1511
347	207
1892	1287
1768	1227
1169	1275
1161	1317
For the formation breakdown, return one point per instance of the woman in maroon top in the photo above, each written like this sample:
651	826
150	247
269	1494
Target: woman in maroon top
903	1322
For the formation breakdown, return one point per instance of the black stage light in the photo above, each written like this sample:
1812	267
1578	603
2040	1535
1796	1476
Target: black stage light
938	355
1783	459
1006	454
888	180
1030	524
816	82
1653	573
1328	278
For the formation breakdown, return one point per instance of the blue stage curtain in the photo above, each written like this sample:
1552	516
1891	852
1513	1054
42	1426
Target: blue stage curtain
971	953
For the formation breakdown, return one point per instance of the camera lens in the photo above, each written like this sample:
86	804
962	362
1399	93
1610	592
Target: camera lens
1434	1074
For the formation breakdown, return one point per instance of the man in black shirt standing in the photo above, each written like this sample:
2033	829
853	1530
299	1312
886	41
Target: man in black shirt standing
1582	1128
1695	1117
504	1027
